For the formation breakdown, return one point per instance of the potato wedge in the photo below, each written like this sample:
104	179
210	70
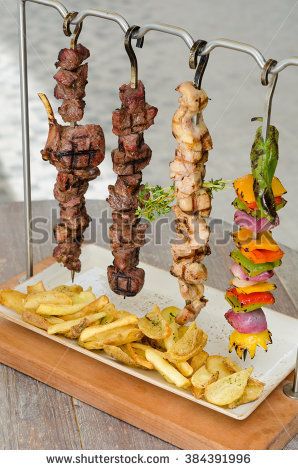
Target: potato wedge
117	353
48	297
72	289
65	326
35	320
153	325
182	330
96	306
187	346
200	379
252	392
228	389
231	365
170	313
218	364
199	360
116	337
38	287
169	373
137	358
13	299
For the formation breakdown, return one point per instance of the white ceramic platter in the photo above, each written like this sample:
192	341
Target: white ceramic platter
161	288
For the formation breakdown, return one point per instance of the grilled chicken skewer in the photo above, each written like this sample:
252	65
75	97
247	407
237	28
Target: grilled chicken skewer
127	233
193	202
75	151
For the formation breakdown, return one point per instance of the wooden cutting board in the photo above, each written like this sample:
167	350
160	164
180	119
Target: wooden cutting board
167	416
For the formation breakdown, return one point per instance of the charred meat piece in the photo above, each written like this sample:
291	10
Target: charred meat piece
127	283
74	148
126	258
71	59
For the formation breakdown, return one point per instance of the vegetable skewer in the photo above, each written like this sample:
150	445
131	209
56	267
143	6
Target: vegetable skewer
259	197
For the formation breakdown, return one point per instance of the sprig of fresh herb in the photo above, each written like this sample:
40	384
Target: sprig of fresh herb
216	185
155	201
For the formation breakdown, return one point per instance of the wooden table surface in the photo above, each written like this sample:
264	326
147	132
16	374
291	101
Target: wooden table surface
35	416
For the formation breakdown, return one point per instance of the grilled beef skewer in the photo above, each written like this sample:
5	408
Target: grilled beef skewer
75	151
193	201
126	233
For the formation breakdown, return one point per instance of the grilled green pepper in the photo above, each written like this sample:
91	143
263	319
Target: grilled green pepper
264	158
251	268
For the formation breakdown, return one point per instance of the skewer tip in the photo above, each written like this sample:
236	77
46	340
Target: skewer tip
72	276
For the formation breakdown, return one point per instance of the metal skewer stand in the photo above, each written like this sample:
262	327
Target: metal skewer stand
289	389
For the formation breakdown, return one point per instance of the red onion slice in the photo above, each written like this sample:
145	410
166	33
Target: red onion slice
249	323
242	282
238	272
245	220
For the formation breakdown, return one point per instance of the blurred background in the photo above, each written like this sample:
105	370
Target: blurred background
232	81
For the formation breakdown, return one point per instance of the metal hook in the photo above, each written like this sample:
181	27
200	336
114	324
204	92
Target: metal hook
67	31
130	52
195	51
271	83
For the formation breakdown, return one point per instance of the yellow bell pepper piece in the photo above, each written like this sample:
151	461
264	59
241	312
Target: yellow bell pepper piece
244	188
249	342
248	242
258	287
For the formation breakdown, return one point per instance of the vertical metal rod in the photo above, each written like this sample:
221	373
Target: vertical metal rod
291	390
25	136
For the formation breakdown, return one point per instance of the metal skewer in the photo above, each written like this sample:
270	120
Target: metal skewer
291	390
121	21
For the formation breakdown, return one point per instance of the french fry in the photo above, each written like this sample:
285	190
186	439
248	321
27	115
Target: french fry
153	325
58	310
13	299
169	373
91	332
85	297
48	297
184	367
54	320
38	287
94	307
228	389
67	325
35	320
199	360
116	337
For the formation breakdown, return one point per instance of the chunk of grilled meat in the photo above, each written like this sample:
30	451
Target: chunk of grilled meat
71	81
127	234
127	282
